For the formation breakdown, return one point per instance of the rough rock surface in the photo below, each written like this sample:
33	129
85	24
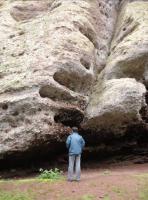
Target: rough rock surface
120	91
60	66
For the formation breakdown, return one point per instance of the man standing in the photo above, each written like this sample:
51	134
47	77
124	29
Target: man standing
75	144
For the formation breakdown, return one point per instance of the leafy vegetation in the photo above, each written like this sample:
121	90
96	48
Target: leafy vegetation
52	174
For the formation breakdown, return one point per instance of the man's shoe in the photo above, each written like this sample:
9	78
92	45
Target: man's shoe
78	180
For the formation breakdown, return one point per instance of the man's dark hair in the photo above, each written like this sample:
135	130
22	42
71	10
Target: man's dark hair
75	129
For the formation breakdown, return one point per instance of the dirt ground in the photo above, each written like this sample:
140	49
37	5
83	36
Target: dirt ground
122	182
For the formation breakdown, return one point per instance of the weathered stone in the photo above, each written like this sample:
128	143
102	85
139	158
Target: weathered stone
72	62
129	49
115	105
119	94
50	54
28	9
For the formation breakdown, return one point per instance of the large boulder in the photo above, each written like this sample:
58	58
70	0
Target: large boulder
115	105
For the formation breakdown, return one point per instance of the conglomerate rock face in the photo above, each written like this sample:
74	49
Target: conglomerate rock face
70	63
119	94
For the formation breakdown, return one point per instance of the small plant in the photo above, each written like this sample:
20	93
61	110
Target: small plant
52	174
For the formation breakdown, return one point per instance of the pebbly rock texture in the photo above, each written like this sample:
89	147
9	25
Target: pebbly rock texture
70	63
50	54
119	97
115	105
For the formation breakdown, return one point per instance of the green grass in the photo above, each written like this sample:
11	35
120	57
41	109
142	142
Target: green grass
143	180
31	181
6	195
27	181
142	176
143	194
35	180
119	191
106	197
88	197
84	197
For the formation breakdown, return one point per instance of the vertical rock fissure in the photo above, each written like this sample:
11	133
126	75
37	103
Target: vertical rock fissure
98	72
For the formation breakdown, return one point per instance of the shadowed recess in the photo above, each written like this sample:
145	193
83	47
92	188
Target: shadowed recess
75	81
69	117
55	93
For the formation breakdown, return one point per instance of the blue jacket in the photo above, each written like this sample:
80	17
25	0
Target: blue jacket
75	143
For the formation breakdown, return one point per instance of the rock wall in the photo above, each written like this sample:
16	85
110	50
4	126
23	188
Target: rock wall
120	92
66	63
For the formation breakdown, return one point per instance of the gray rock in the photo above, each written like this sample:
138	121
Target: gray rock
62	61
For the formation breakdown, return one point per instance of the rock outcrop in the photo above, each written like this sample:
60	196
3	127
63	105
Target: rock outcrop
120	91
70	62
